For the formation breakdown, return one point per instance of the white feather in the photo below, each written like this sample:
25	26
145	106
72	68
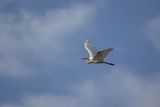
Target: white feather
96	56
100	55
89	47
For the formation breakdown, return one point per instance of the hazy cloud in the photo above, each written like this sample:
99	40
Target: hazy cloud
118	88
28	38
153	30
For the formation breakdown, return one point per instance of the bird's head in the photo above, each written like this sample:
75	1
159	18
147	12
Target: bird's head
87	60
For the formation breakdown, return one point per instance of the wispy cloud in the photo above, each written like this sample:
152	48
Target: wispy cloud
118	88
153	31
28	38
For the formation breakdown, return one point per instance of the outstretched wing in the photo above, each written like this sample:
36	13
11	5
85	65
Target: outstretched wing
102	54
89	47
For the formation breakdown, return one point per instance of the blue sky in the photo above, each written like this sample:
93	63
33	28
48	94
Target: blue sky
41	43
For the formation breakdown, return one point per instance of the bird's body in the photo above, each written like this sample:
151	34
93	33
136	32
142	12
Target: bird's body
95	56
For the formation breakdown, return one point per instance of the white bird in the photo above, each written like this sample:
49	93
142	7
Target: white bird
95	56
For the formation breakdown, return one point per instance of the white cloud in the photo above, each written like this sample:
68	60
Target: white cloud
118	88
153	30
28	37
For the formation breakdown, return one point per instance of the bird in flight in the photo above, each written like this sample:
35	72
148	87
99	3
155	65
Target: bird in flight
95	56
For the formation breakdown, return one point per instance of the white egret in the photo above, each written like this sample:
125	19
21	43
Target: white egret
95	56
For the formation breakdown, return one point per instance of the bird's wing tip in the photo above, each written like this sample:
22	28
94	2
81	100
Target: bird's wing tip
110	49
87	40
